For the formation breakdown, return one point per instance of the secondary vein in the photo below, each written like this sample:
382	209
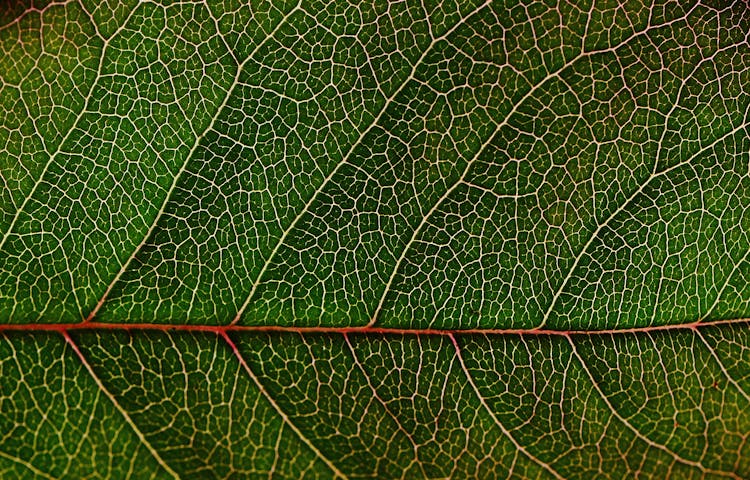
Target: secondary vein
119	407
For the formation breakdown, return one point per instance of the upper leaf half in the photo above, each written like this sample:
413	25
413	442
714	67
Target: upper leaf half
453	166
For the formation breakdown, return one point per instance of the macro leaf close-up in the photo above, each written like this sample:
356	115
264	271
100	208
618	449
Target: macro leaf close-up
409	239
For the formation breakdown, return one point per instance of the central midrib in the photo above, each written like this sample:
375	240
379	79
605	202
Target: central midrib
224	329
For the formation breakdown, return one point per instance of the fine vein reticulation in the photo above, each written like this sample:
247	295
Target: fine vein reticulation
414	239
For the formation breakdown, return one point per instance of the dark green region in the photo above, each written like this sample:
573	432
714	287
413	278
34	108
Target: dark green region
10	10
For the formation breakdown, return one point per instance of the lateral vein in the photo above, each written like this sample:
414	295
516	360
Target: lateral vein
119	407
183	167
278	409
637	432
497	421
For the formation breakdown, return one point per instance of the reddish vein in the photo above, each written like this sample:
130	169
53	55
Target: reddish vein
224	329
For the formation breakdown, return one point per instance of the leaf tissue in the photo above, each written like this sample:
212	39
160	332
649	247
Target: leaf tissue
410	239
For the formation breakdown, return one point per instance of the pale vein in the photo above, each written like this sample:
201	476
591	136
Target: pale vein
119	407
278	409
635	431
184	165
505	431
346	159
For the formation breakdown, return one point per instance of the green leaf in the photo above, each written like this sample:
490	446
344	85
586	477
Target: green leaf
377	240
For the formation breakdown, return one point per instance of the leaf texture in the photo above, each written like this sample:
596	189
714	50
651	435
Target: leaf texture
375	240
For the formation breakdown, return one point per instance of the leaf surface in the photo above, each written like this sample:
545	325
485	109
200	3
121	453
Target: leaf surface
385	240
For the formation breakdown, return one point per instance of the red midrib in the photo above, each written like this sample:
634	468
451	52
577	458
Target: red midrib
223	329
